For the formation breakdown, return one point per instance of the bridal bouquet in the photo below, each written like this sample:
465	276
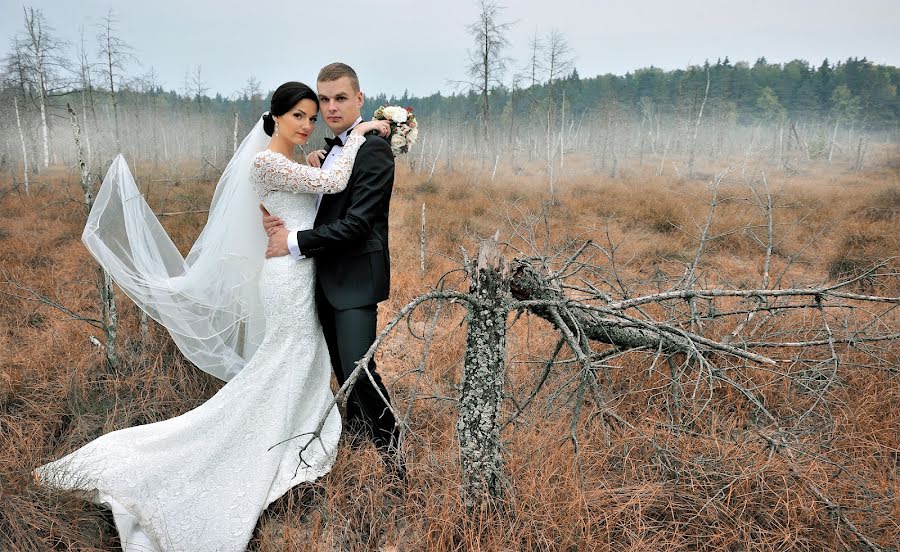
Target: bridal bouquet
404	128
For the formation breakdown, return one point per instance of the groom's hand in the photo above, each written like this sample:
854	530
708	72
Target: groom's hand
271	223
277	243
277	233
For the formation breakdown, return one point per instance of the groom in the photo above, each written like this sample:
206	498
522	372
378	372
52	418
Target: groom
350	245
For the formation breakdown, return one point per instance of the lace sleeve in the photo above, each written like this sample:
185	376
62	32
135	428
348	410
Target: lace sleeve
275	172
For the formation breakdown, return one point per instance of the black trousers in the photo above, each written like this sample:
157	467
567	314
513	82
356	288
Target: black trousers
349	334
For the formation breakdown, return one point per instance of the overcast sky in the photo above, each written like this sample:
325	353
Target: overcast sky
421	45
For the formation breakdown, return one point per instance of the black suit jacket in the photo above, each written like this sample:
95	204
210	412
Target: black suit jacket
350	238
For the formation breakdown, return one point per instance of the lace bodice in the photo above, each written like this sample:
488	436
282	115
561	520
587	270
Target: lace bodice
273	172
198	482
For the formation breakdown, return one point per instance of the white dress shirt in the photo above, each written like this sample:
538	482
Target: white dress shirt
293	247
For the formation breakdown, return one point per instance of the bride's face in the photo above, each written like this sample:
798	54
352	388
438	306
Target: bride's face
298	123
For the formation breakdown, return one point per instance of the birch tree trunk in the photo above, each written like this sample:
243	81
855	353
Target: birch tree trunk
562	125
40	44
45	132
87	136
860	153
641	135
22	140
422	246
549	146
235	136
115	105
833	139
110	314
110	319
697	129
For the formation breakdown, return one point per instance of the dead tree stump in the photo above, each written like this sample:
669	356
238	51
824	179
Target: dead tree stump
478	426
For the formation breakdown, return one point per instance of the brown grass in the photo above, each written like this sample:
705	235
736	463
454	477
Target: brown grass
622	490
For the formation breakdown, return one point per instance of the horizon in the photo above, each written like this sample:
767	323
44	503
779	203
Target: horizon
813	65
654	34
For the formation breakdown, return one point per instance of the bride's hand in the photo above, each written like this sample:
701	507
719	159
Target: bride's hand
383	128
315	158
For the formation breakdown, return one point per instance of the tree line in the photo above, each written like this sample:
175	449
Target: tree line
855	89
540	106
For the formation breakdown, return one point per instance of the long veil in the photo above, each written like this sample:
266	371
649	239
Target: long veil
209	300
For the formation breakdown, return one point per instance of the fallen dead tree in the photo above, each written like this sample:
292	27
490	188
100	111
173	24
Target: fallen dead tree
706	354
579	322
595	327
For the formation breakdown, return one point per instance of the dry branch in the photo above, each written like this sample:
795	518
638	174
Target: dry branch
539	295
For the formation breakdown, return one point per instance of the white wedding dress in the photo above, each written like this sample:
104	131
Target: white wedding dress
199	482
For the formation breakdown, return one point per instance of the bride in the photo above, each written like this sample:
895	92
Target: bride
198	482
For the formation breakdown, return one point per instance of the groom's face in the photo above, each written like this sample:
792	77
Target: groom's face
339	103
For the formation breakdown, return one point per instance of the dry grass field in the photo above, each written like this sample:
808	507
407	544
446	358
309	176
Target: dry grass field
717	486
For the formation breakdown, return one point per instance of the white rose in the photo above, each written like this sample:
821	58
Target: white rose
389	111
397	141
413	135
400	115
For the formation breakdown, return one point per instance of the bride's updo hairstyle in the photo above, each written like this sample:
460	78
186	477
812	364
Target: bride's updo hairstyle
284	98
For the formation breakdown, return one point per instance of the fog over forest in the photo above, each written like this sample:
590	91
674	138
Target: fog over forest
534	111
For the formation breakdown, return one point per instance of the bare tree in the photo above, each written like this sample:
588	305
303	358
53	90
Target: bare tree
199	87
115	53
234	137
486	62
15	70
558	58
252	91
648	110
252	88
85	69
186	84
109	319
14	79
148	82
535	63
697	127
41	56
515	92
558	62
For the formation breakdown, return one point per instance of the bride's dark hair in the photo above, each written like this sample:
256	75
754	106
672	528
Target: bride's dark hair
284	98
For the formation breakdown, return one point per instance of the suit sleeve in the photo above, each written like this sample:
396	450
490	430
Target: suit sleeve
372	175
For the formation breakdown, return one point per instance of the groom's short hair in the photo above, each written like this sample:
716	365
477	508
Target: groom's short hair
334	71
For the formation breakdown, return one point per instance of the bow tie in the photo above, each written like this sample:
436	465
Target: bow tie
332	142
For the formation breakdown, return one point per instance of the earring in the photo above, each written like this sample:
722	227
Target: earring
276	128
